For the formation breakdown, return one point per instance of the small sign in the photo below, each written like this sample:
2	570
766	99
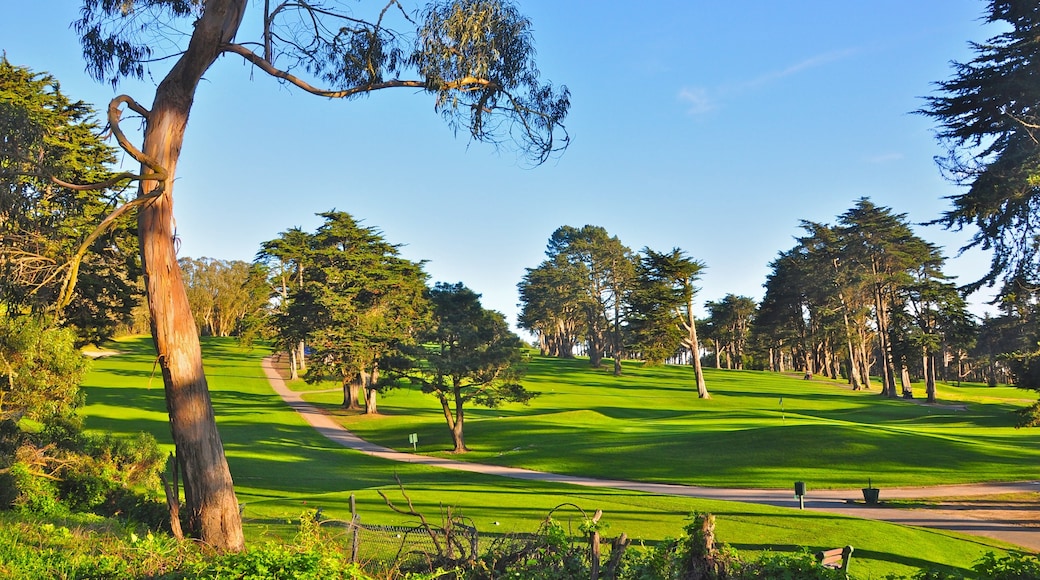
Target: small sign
413	438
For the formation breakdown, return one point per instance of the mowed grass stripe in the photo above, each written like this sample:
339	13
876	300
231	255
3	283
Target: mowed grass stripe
649	425
282	466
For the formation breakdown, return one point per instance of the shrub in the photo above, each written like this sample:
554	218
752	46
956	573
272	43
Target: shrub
1029	416
1010	567
34	493
802	566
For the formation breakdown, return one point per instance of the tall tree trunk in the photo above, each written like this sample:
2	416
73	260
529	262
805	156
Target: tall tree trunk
371	394
210	503
351	392
863	359
595	342
455	420
695	359
904	382
929	375
294	372
301	355
888	375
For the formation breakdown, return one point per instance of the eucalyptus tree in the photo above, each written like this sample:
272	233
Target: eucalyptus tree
222	293
51	261
988	114
672	277
474	57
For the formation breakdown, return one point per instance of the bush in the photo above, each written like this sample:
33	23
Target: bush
1029	416
1010	567
59	470
33	492
311	556
802	566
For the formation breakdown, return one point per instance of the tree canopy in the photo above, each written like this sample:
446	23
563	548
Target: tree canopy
989	117
48	142
471	357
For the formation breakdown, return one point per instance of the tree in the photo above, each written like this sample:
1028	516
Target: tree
473	357
606	270
285	256
47	143
552	306
989	115
40	369
674	275
474	56
222	293
989	120
361	304
885	251
731	319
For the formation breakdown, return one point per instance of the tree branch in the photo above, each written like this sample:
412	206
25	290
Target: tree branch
466	83
115	113
69	283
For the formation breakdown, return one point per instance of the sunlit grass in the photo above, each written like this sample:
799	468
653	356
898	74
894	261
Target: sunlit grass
281	466
758	430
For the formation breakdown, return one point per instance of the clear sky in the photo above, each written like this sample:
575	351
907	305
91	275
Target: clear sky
706	125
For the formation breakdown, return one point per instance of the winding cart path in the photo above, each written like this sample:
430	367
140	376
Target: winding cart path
1013	522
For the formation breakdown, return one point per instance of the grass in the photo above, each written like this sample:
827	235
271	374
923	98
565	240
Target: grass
648	425
282	467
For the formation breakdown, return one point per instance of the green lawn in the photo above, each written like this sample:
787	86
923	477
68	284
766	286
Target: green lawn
281	466
649	425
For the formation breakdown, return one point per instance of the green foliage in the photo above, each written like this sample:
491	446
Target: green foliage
224	293
987	117
1014	566
475	56
40	369
35	493
274	561
1029	416
488	39
312	555
354	299
470	356
800	566
548	554
49	141
59	470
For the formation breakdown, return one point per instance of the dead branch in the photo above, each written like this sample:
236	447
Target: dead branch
411	512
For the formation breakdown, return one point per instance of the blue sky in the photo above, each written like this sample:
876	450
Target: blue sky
706	125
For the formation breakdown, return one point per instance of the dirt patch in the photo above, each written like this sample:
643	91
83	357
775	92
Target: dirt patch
1021	508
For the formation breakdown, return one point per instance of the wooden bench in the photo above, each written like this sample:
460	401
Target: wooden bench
838	558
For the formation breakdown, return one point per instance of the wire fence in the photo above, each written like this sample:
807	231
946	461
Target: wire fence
406	547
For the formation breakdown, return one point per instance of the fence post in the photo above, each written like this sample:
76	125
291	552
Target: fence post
594	544
355	525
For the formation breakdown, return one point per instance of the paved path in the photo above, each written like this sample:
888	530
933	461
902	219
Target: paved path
1003	522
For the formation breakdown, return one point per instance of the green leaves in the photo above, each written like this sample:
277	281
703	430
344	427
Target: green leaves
988	120
45	137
